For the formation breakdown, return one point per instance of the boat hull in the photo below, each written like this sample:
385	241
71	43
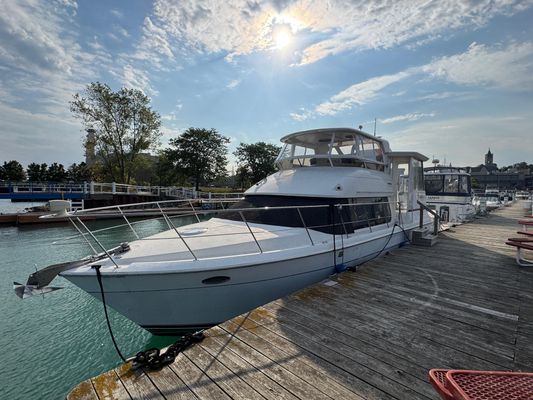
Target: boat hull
176	303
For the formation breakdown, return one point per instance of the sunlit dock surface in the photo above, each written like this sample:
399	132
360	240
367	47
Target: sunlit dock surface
372	334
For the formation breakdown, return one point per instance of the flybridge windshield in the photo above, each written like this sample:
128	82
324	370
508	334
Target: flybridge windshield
330	148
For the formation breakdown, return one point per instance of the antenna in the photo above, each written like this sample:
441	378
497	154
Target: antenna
375	122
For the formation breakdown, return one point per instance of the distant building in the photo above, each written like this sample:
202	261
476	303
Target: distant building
487	175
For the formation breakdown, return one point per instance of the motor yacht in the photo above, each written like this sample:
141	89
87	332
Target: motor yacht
340	197
449	193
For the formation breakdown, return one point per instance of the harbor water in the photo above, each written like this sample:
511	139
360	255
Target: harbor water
51	343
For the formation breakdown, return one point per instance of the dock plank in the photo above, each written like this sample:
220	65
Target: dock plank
108	386
368	335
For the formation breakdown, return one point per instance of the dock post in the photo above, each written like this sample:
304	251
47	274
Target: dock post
113	188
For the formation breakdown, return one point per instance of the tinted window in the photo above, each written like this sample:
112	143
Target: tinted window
433	184
354	213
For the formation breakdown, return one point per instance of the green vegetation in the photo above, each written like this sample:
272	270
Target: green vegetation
12	171
121	126
199	154
255	162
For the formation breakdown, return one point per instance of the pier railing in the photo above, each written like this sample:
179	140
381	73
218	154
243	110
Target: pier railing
90	188
342	221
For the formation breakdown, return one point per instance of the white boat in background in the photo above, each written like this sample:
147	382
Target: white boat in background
340	198
522	195
493	201
449	193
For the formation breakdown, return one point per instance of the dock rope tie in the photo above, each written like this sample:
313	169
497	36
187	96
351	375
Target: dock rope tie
151	358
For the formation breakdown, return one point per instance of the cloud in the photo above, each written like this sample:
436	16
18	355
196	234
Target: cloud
506	68
240	27
358	94
302	116
45	60
510	67
137	78
58	139
117	13
406	117
361	25
471	135
233	84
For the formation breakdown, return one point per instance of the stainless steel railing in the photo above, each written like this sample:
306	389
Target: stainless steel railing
332	217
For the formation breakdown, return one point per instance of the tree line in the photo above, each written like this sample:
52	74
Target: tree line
123	135
14	171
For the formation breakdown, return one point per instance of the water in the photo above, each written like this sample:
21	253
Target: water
51	344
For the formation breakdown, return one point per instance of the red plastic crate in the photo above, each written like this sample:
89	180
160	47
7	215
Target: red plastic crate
489	385
437	378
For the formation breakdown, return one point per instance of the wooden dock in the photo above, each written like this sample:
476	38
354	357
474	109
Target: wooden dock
372	334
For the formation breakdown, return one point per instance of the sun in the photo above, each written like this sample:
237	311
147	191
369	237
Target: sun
282	36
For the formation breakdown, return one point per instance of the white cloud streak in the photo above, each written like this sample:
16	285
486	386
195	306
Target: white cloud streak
504	68
406	117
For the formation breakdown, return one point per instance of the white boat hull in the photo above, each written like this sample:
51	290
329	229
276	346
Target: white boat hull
179	302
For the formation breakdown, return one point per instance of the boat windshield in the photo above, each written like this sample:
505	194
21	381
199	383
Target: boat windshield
331	148
447	184
317	213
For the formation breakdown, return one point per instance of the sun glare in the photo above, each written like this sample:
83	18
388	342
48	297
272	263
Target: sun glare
282	37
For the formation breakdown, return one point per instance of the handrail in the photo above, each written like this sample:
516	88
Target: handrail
349	227
436	216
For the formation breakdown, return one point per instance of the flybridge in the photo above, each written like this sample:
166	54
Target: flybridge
334	147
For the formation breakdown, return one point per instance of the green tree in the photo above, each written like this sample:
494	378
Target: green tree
256	161
166	173
3	174
33	171
124	126
37	172
13	171
79	172
56	173
199	154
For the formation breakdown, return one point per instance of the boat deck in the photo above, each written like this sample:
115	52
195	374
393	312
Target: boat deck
372	334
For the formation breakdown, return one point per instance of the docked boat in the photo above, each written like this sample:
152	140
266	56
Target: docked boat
340	197
449	193
493	199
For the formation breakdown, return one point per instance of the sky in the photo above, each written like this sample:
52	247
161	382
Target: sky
449	79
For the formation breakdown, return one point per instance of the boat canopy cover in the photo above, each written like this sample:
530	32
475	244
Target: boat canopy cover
335	147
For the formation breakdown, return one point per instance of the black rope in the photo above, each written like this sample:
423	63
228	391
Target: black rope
99	277
152	358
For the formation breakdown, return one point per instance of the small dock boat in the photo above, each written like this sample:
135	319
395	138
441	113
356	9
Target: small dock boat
449	193
341	197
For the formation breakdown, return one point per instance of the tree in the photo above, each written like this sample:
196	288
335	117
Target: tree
200	154
123	126
167	174
79	172
56	173
13	171
256	161
37	172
